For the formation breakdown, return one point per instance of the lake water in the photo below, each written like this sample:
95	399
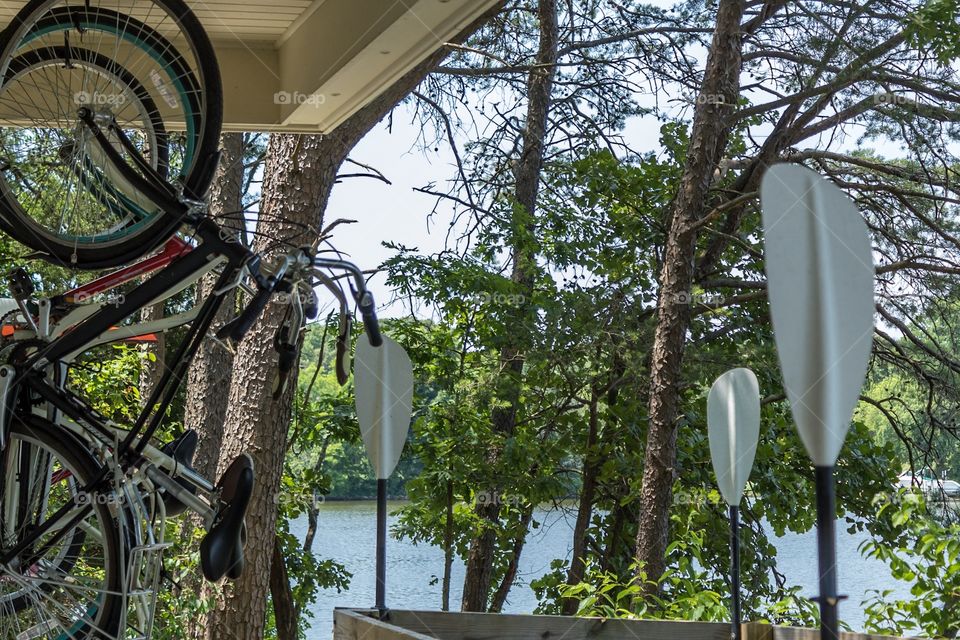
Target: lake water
346	533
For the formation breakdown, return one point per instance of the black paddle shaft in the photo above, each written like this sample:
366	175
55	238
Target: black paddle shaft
827	552
735	572
381	545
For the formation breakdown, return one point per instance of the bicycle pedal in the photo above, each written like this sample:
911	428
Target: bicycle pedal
20	284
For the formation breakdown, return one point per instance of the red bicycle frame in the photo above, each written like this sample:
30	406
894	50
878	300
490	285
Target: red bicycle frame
173	249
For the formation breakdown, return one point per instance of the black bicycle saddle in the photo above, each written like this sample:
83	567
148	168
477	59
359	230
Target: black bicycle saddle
221	552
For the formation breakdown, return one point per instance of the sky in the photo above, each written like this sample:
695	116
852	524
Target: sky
397	213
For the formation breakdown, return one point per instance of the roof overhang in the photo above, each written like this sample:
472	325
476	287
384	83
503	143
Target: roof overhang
308	65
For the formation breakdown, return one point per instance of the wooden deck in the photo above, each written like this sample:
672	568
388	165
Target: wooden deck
362	624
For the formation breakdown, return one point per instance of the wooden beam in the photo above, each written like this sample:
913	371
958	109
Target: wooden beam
493	626
352	624
362	624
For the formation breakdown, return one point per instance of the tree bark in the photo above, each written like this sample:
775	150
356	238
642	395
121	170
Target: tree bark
716	101
479	574
209	375
591	468
210	372
500	596
300	172
152	354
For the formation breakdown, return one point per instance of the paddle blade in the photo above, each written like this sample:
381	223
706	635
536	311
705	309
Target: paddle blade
820	284
733	423
383	377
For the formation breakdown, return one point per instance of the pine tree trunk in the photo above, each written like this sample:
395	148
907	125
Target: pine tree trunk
152	354
209	376
717	99
479	574
591	468
210	372
300	172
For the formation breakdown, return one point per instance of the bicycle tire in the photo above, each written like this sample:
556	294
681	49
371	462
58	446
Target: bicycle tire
138	239
115	202
102	617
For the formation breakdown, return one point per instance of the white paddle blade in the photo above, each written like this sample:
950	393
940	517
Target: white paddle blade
820	284
733	424
383	377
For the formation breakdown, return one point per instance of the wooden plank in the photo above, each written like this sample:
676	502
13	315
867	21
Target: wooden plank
757	631
797	633
361	624
352	624
490	626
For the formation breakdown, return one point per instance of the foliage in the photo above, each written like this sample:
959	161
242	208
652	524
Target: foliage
926	555
936	25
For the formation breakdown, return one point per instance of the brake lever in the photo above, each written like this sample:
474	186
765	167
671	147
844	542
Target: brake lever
343	348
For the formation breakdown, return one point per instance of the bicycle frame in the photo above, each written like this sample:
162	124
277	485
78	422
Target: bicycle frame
91	325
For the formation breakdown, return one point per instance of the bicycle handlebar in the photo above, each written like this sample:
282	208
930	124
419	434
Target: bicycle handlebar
267	286
238	327
368	311
365	303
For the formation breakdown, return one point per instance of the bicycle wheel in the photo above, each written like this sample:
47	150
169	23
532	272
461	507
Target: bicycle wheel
96	202
42	134
65	584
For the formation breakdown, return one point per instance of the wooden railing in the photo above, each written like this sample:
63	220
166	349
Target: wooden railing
363	624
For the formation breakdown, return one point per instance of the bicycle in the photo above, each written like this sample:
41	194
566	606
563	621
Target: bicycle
83	500
140	482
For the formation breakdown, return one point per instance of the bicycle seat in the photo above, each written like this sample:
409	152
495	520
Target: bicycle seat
182	449
221	552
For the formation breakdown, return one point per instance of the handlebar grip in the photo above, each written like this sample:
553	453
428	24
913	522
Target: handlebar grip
368	311
238	327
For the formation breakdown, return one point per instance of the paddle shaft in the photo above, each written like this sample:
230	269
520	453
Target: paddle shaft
827	552
735	571
381	545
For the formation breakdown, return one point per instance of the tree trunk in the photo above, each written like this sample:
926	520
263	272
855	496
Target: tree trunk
500	596
284	610
717	99
152	354
300	173
591	468
210	372
209	376
313	509
479	574
447	548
